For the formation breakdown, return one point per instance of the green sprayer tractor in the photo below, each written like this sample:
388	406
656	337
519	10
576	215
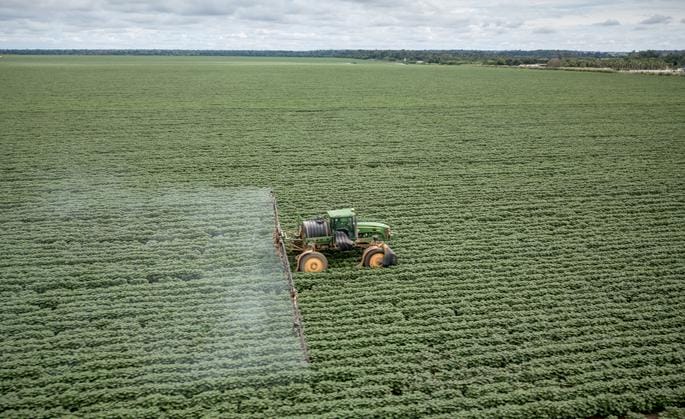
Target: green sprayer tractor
338	230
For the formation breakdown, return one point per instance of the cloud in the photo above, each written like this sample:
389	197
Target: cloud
333	24
608	22
656	19
503	24
513	25
380	3
682	20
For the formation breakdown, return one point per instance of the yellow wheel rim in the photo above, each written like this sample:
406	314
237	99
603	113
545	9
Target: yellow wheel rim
376	260
313	264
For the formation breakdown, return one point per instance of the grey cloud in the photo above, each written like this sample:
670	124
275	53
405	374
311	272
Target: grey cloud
13	14
205	7
315	24
382	3
682	20
513	25
154	20
211	8
199	7
260	13
608	22
51	5
656	19
501	24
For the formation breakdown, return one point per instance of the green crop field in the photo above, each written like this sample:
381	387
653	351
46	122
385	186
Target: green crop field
538	218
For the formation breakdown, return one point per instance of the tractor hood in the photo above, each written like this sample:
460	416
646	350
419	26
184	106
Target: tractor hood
380	229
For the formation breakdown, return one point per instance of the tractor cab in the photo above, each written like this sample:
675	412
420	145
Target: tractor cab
344	220
364	232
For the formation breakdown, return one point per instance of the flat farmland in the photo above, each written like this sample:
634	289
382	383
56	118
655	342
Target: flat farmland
538	218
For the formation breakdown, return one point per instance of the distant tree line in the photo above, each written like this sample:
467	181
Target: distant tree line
650	59
641	60
507	57
636	60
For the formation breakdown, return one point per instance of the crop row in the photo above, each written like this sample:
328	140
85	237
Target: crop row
94	314
537	217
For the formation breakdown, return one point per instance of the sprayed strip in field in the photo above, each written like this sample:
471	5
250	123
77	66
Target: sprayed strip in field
114	289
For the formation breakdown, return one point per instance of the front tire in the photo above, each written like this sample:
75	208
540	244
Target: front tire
312	262
373	257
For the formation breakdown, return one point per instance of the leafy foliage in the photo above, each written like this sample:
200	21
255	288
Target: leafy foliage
537	216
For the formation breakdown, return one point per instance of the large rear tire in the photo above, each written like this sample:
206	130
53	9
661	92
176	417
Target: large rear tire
312	262
373	257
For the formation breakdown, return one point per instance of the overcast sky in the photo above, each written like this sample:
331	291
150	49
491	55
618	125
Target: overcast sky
607	25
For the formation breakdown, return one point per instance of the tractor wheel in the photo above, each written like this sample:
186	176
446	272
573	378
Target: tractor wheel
312	262
373	257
